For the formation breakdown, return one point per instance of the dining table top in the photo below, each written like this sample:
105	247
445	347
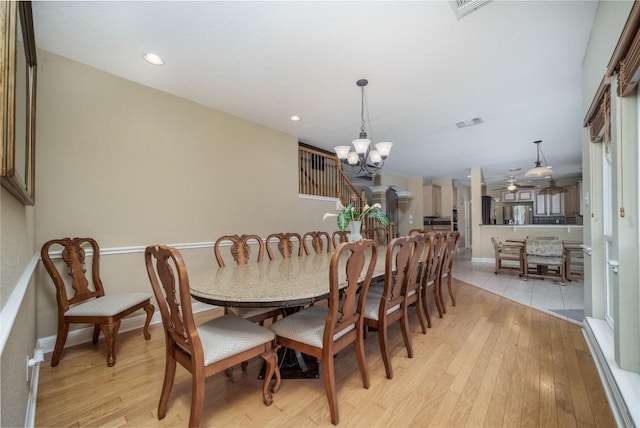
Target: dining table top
286	282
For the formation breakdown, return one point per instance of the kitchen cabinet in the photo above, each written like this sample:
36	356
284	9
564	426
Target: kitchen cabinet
432	200
526	195
572	199
509	196
518	196
572	203
549	202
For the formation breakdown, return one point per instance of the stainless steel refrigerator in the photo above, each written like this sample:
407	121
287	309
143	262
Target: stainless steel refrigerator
518	214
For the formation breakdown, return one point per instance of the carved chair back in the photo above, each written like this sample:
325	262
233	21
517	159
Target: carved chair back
339	236
379	234
450	245
398	257
240	248
164	266
74	255
422	250
318	242
438	250
285	244
346	303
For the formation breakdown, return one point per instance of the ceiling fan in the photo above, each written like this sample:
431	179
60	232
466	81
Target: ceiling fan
513	185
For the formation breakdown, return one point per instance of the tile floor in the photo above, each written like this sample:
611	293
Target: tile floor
547	295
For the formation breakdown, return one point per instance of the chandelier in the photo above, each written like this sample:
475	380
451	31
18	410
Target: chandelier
539	170
363	160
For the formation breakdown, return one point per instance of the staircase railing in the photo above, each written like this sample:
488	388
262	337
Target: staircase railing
321	174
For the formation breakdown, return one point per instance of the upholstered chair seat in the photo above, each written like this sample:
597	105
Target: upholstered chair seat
307	326
108	305
215	335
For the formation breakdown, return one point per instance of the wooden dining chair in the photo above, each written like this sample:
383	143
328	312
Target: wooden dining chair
319	241
240	250
323	331
446	272
431	275
206	349
339	236
88	304
383	309
285	244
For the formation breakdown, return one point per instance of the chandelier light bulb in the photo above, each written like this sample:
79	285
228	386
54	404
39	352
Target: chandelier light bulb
384	148
361	145
342	152
353	158
375	157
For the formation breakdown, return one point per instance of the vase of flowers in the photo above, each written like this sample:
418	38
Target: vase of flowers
354	230
350	217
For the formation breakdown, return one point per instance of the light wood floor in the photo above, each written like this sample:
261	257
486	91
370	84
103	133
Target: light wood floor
488	362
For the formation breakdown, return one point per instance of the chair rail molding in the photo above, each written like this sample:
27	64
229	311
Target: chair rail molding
9	311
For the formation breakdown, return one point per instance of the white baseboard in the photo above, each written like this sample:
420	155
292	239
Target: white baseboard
621	387
84	335
482	260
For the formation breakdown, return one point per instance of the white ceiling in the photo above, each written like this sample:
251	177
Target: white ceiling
516	64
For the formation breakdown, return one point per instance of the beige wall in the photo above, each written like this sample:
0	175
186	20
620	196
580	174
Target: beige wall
132	166
17	249
387	178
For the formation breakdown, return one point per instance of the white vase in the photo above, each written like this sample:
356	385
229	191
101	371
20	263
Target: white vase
354	230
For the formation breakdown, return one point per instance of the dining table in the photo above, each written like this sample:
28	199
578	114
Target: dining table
288	283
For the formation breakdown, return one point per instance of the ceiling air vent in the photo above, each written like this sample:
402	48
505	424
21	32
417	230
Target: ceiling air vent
470	122
465	7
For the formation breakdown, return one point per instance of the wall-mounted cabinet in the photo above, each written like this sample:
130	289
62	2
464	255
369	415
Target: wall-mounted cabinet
521	195
573	203
549	202
572	199
527	195
432	200
509	196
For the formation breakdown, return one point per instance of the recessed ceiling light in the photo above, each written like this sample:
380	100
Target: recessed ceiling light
469	176
295	118
152	58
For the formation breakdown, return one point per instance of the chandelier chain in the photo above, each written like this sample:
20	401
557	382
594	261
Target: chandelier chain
363	128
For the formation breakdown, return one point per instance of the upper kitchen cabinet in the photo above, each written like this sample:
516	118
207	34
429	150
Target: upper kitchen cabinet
521	195
549	202
572	203
432	200
527	195
508	196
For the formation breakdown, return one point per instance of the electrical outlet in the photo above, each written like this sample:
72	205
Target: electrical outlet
38	357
